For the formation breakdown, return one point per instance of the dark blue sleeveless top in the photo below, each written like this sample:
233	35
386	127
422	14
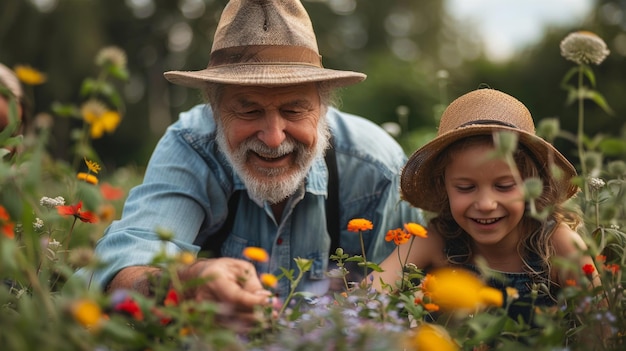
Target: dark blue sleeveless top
523	282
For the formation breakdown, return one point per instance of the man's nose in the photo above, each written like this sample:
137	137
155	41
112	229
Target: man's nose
272	132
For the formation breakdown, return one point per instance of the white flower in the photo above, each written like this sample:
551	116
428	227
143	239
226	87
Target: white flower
584	47
596	183
54	244
52	203
112	54
38	224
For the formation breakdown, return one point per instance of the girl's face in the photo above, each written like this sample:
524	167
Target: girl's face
484	198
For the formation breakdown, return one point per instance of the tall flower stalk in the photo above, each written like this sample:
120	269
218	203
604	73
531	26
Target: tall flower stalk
583	48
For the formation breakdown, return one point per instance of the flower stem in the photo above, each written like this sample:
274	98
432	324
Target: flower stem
581	114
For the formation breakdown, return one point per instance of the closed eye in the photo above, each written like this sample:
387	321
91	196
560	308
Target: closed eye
505	187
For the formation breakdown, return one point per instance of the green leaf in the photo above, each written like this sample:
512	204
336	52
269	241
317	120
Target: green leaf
65	110
120	73
599	100
589	74
613	147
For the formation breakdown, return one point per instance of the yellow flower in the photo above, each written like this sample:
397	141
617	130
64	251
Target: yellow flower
512	293
269	280
28	75
186	258
100	118
256	254
416	230
491	296
93	166
443	289
430	337
87	313
359	224
89	178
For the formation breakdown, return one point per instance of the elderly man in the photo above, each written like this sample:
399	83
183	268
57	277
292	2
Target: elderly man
248	169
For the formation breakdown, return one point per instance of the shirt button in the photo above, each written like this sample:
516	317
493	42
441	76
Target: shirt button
279	241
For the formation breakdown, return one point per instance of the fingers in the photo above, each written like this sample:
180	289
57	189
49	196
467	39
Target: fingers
232	281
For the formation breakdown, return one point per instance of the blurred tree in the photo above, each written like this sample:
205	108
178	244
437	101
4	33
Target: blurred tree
416	57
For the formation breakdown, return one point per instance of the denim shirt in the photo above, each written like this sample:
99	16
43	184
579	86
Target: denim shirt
188	183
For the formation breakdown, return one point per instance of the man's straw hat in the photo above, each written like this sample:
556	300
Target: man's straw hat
480	112
264	42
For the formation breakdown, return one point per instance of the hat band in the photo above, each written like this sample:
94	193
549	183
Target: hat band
487	121
265	54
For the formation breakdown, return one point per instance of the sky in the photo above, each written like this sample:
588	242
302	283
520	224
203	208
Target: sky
507	25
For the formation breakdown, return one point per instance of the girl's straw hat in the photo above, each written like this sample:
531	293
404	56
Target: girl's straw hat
480	112
265	43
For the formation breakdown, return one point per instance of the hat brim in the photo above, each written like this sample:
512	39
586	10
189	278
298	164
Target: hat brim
418	185
264	75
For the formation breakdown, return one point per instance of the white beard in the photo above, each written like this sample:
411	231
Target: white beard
277	184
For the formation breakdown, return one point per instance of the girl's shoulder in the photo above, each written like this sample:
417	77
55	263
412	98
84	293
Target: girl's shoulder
566	241
434	246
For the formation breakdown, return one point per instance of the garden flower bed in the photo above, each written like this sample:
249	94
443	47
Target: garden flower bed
52	212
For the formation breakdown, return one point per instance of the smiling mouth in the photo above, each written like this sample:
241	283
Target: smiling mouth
270	158
486	220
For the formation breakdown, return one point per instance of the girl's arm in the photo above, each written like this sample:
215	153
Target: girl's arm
423	253
569	245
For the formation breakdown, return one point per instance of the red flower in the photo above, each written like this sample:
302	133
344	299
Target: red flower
131	307
613	268
6	226
74	210
110	192
588	269
171	299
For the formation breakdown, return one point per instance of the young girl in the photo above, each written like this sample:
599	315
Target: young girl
479	201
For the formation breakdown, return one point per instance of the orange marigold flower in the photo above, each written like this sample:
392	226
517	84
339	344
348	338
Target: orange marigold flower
256	254
89	178
416	229
570	282
269	280
601	258
359	224
431	307
588	269
391	235
402	238
74	210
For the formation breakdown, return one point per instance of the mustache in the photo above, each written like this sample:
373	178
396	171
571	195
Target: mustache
288	146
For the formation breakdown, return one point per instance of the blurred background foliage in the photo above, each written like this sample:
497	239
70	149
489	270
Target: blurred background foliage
417	57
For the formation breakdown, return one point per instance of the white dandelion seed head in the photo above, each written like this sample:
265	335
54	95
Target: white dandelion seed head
584	47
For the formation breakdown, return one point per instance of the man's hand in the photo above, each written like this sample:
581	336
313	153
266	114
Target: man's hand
233	283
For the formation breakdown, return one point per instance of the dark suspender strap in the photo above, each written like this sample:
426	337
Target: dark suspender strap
213	244
332	200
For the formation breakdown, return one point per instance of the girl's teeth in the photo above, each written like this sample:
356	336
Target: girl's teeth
486	221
